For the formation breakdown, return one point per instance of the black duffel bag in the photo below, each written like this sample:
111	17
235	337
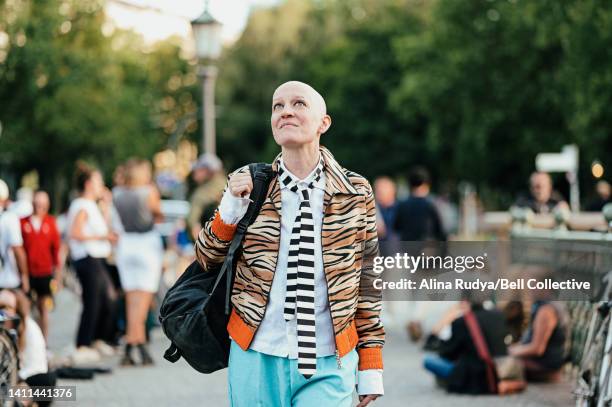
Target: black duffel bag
195	310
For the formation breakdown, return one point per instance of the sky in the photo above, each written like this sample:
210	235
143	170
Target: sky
159	19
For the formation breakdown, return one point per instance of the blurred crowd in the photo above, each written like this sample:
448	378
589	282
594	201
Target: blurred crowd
109	242
108	249
476	346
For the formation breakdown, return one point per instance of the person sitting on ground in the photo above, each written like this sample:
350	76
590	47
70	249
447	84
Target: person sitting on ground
458	366
33	365
542	348
441	330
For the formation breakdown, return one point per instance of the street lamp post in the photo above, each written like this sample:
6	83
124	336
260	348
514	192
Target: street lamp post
207	35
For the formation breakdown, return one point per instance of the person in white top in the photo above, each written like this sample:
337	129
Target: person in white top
90	242
13	261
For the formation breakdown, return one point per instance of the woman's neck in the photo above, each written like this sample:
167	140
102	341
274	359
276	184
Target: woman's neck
302	160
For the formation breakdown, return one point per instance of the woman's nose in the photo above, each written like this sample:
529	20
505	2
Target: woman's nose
287	111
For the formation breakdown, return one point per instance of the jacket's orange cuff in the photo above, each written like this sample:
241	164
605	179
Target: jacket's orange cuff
370	358
222	230
240	332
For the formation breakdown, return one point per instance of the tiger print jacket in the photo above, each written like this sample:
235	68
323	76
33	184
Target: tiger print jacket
349	240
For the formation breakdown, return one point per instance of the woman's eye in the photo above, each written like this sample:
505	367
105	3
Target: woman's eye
299	102
277	106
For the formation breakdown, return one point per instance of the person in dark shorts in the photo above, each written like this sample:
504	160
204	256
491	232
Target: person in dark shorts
41	286
41	240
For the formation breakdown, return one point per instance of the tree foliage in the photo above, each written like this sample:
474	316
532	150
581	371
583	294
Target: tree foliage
69	92
471	89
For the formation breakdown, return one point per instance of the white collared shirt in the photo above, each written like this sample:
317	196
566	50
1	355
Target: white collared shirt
275	336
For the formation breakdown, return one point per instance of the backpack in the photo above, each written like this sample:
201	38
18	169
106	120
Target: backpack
195	311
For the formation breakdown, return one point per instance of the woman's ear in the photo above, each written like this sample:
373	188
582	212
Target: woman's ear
325	124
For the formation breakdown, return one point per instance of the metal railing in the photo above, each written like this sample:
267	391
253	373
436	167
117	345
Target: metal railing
555	241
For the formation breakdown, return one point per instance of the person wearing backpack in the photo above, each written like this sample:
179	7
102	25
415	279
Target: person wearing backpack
13	261
305	324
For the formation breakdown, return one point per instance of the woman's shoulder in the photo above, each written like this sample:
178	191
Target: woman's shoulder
145	190
81	204
546	312
75	205
361	183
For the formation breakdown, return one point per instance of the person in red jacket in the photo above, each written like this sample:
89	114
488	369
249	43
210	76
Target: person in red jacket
41	240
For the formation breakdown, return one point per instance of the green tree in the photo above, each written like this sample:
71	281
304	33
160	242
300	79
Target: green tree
70	92
250	70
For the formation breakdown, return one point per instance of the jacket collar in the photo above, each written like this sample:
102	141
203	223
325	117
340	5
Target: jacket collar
336	181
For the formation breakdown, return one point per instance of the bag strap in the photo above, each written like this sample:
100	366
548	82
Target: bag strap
481	348
261	174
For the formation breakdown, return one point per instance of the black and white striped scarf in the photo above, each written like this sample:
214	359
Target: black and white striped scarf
300	269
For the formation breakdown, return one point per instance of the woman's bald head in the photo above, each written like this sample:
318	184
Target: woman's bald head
297	87
299	115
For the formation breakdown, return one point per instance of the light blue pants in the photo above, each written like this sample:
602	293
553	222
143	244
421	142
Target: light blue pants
257	379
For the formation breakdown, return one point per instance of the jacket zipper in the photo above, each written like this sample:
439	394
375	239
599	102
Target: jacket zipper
337	353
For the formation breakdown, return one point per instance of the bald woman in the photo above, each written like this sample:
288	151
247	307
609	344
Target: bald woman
305	324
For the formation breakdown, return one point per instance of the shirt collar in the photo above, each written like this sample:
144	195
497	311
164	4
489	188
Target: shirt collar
336	177
320	183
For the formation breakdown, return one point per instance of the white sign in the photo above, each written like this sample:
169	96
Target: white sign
565	161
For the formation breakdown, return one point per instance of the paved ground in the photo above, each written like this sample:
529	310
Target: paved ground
167	384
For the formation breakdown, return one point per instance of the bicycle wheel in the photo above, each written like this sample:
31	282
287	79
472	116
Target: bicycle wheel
8	365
